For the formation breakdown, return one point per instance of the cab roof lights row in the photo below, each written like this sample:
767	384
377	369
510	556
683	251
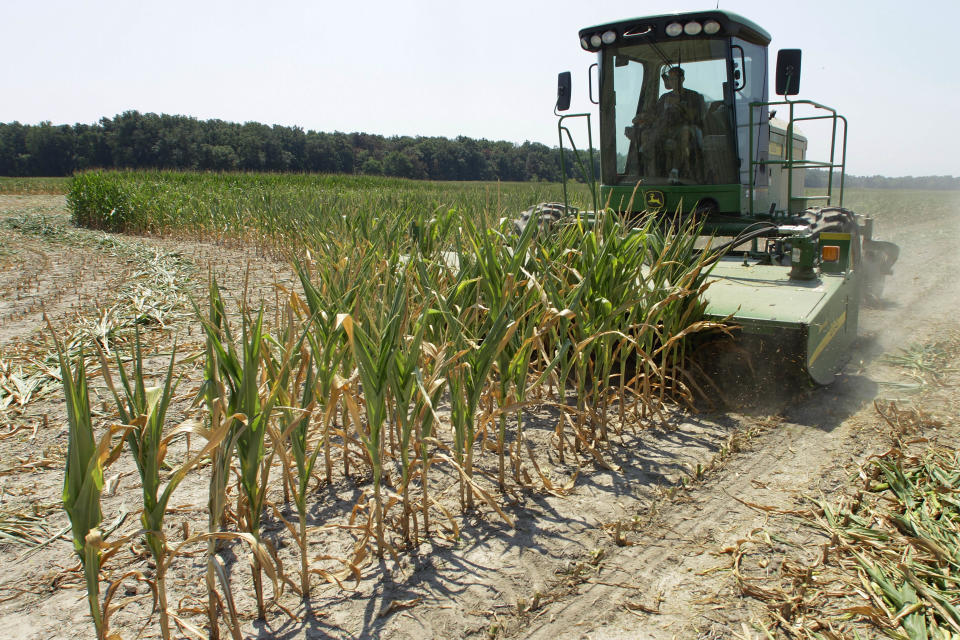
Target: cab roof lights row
594	41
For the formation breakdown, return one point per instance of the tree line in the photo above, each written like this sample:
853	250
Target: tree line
134	140
817	178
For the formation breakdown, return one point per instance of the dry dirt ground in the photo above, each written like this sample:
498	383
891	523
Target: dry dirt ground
639	553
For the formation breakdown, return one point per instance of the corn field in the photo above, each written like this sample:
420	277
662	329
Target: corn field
272	208
425	337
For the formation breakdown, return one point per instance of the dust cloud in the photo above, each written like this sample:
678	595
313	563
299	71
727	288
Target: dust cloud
921	299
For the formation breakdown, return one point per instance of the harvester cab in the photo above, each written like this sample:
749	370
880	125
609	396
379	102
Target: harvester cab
686	128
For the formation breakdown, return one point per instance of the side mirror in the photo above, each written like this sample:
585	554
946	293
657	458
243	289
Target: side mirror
788	72
564	85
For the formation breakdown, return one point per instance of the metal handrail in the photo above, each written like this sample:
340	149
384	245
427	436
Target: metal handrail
790	163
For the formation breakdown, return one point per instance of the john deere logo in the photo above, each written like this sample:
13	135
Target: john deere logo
653	200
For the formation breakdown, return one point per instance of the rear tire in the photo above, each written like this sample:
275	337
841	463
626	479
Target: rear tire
547	214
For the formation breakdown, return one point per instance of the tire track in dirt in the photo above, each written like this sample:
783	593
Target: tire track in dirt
45	274
47	278
673	558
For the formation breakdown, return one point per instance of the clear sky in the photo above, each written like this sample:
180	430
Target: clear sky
479	69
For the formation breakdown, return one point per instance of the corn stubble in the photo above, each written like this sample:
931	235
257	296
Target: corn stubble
413	350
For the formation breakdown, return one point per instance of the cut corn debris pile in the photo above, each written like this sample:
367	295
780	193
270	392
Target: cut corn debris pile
887	556
22	528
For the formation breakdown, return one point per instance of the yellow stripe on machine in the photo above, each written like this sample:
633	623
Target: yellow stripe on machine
831	333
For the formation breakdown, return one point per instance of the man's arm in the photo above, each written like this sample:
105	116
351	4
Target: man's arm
701	111
648	117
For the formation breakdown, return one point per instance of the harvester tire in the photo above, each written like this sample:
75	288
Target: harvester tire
547	214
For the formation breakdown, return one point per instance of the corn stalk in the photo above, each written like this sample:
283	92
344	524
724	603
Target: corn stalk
143	411
373	343
83	479
248	412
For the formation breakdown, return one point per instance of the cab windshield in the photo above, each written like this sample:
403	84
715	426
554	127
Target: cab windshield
666	115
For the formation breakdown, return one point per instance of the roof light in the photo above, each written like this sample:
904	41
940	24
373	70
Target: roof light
711	27
609	37
595	40
692	28
674	29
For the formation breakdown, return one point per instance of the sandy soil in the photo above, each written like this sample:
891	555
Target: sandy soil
630	554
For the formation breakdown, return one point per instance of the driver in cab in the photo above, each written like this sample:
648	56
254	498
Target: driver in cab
671	133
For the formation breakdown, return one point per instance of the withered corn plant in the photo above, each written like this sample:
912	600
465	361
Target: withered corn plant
478	336
679	270
143	412
615	253
327	341
291	437
408	411
248	411
374	338
222	417
504	285
564	283
83	479
552	342
430	386
250	439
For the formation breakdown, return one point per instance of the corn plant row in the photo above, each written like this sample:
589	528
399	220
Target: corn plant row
33	186
412	352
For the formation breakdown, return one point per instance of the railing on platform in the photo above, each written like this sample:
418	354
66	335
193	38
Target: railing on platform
789	163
